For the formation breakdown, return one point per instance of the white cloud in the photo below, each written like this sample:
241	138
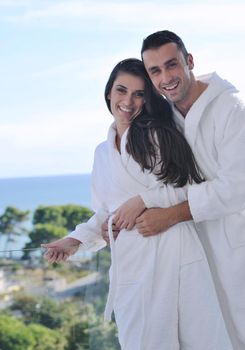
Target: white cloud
61	143
14	3
193	15
67	76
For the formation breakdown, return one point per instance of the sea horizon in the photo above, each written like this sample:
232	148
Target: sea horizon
28	192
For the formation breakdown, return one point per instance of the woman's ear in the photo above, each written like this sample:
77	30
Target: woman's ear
109	96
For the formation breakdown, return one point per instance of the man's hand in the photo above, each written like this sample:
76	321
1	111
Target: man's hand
152	221
61	249
126	214
156	220
104	229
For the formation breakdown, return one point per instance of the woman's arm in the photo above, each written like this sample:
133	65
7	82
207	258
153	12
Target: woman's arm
158	196
86	236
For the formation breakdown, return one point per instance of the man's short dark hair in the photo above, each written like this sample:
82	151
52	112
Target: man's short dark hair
157	39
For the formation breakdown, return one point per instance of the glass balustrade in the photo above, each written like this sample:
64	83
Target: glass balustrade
54	306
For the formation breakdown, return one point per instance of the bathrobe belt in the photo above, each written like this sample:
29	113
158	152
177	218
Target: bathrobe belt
113	271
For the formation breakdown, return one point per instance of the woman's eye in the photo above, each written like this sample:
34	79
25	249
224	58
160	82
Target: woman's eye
121	90
139	94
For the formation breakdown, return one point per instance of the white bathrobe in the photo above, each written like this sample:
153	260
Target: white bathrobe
215	130
161	289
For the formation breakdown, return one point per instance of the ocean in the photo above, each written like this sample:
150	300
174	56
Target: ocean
30	192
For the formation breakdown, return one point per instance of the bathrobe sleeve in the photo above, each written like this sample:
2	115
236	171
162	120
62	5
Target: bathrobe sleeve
89	233
224	193
163	196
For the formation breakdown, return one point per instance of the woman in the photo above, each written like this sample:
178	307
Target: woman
161	290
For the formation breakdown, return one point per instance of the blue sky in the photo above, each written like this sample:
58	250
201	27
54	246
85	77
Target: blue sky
56	57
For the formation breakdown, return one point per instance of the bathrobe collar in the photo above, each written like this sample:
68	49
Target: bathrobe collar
189	124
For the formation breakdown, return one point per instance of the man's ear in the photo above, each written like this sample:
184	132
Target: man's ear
190	61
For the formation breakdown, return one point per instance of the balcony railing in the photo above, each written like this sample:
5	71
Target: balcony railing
57	306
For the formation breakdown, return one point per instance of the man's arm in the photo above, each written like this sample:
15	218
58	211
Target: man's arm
156	220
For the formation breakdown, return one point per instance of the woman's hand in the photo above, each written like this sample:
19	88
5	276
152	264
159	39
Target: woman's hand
126	214
105	234
61	249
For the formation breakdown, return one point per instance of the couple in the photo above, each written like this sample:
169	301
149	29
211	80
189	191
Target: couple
173	284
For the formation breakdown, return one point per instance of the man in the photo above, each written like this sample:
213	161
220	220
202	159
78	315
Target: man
212	117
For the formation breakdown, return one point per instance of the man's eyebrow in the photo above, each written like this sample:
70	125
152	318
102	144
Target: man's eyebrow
171	60
152	69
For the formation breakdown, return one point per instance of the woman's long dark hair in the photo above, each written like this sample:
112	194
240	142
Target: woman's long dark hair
153	139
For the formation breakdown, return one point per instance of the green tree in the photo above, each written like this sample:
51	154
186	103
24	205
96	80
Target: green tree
43	233
90	332
42	310
97	294
67	216
14	335
46	339
54	222
11	223
49	215
75	214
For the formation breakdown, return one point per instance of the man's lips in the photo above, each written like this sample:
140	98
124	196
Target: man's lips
170	87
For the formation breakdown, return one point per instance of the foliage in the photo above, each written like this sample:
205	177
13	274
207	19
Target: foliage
71	327
11	220
75	214
49	215
97	294
11	223
14	335
54	222
45	324
42	310
46	339
43	233
91	333
67	216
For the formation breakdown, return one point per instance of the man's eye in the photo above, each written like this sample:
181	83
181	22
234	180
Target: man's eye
154	72
172	65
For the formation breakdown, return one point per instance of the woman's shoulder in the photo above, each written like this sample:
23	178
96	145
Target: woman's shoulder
100	148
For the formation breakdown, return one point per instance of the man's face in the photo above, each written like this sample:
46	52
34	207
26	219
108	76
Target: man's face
170	72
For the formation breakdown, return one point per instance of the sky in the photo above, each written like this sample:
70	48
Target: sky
56	56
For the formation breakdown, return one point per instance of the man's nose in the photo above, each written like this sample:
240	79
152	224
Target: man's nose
165	77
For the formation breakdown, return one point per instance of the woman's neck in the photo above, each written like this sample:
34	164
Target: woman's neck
118	142
119	133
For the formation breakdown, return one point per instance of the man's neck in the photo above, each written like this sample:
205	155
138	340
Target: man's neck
197	89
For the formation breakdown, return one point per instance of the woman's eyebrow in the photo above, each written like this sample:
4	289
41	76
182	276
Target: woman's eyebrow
122	86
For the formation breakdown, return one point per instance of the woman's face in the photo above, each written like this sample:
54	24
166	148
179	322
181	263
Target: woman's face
126	99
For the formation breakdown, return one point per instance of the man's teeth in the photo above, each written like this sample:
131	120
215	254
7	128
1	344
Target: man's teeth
170	87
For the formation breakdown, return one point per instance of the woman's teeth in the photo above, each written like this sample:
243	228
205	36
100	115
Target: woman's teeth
125	109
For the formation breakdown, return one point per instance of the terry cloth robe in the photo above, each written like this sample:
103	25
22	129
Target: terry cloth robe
161	289
215	130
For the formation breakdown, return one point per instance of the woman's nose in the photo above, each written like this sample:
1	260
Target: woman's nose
128	99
